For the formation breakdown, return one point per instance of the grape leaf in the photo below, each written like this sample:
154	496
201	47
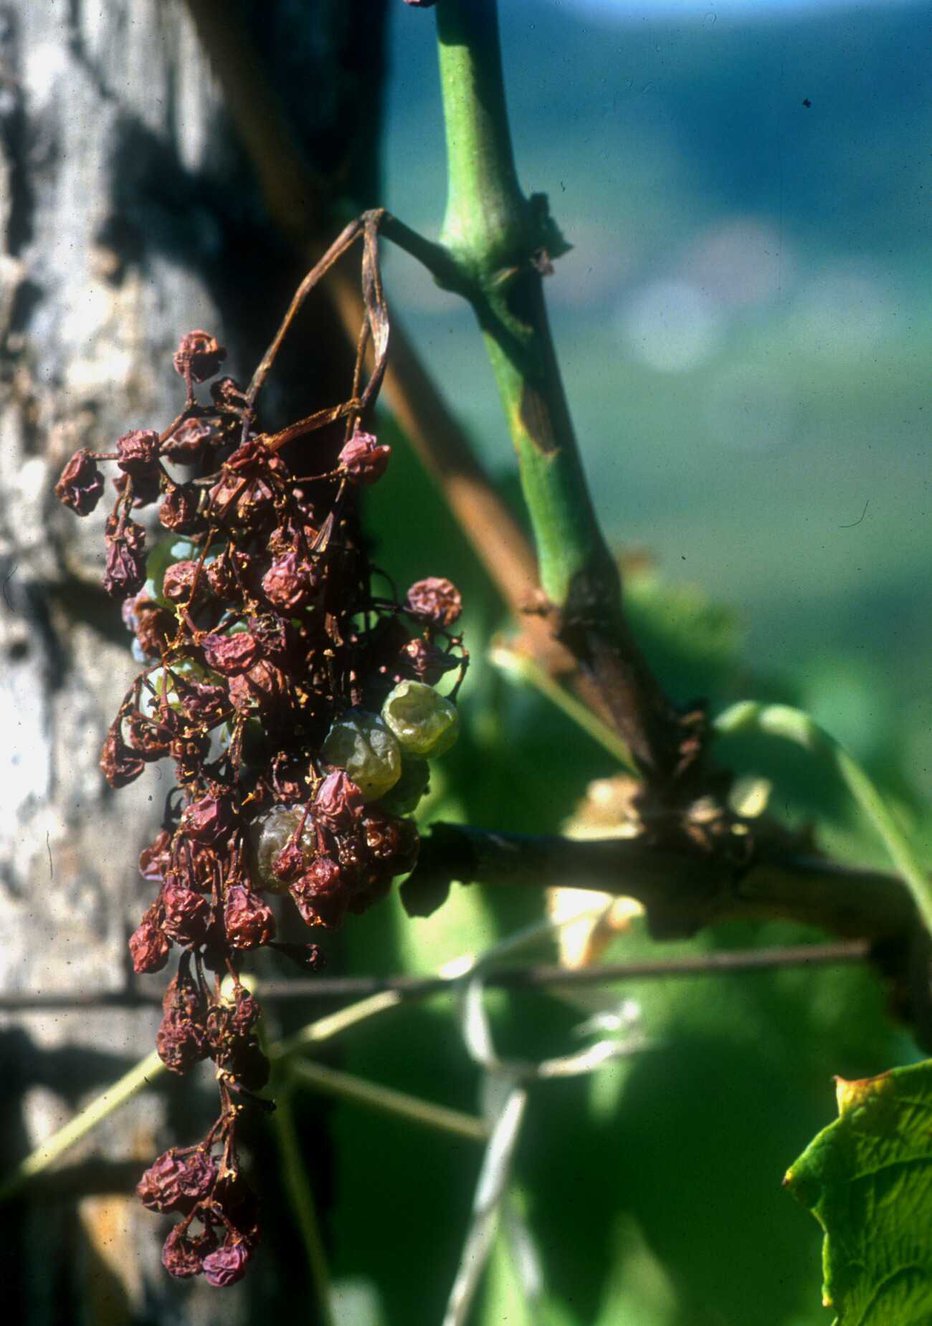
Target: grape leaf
867	1179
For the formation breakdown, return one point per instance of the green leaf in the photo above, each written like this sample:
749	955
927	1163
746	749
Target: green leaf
867	1179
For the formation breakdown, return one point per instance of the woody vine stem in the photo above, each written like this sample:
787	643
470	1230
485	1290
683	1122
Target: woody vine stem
496	246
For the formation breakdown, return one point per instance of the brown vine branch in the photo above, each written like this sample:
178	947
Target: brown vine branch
683	892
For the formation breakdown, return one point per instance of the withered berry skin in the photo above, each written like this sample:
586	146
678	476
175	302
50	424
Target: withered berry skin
363	459
81	484
180	1043
198	356
126	560
189	440
179	511
180	580
226	1265
230	654
149	947
119	765
178	1180
322	894
248	920
187	914
435	600
207	820
138	452
339	802
289	582
182	1257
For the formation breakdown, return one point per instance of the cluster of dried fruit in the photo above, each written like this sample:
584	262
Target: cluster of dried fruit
300	712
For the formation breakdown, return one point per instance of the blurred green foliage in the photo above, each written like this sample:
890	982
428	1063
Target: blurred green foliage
653	1188
777	466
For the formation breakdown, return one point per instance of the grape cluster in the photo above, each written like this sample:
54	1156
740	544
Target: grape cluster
300	711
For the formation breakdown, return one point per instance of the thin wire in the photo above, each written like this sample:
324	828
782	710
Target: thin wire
395	989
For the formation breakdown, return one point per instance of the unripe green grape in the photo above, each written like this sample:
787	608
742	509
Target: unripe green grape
403	798
267	837
361	744
425	723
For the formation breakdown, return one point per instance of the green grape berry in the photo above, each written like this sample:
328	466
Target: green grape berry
404	797
361	744
270	834
425	723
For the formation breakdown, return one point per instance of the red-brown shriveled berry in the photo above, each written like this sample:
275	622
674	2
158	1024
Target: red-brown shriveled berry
154	860
392	840
188	441
204	702
189	753
145	487
187	914
426	662
81	484
241	501
179	581
230	654
208	819
126	560
198	356
179	509
226	1265
289	863
248	921
138	452
435	600
183	1255
228	395
150	737
321	894
245	1012
155	626
338	802
289	582
179	1179
119	765
149	947
363	459
264	688
180	1043
222	578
